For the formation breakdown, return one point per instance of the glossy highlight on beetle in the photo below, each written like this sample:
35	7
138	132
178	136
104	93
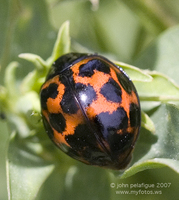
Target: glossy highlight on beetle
91	110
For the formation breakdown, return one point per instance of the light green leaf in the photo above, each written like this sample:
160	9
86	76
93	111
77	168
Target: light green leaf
3	95
35	59
161	88
62	44
149	164
134	73
152	164
33	81
26	172
147	123
29	101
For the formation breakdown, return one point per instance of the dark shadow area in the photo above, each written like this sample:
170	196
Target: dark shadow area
145	141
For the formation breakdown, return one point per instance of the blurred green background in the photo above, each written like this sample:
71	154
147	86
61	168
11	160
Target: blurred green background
120	29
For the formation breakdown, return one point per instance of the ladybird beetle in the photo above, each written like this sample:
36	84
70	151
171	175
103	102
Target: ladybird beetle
91	110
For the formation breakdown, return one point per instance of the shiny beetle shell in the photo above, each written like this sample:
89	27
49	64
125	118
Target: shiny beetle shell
91	110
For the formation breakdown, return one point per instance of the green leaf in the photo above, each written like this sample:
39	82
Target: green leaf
162	54
3	95
62	44
29	101
35	59
134	73
152	164
161	149
161	88
26	172
147	123
33	81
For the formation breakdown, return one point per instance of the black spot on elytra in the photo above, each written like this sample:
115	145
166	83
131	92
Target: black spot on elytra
109	124
67	60
68	103
48	128
88	68
57	121
126	83
63	64
49	92
111	91
86	94
81	138
134	114
85	142
120	142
